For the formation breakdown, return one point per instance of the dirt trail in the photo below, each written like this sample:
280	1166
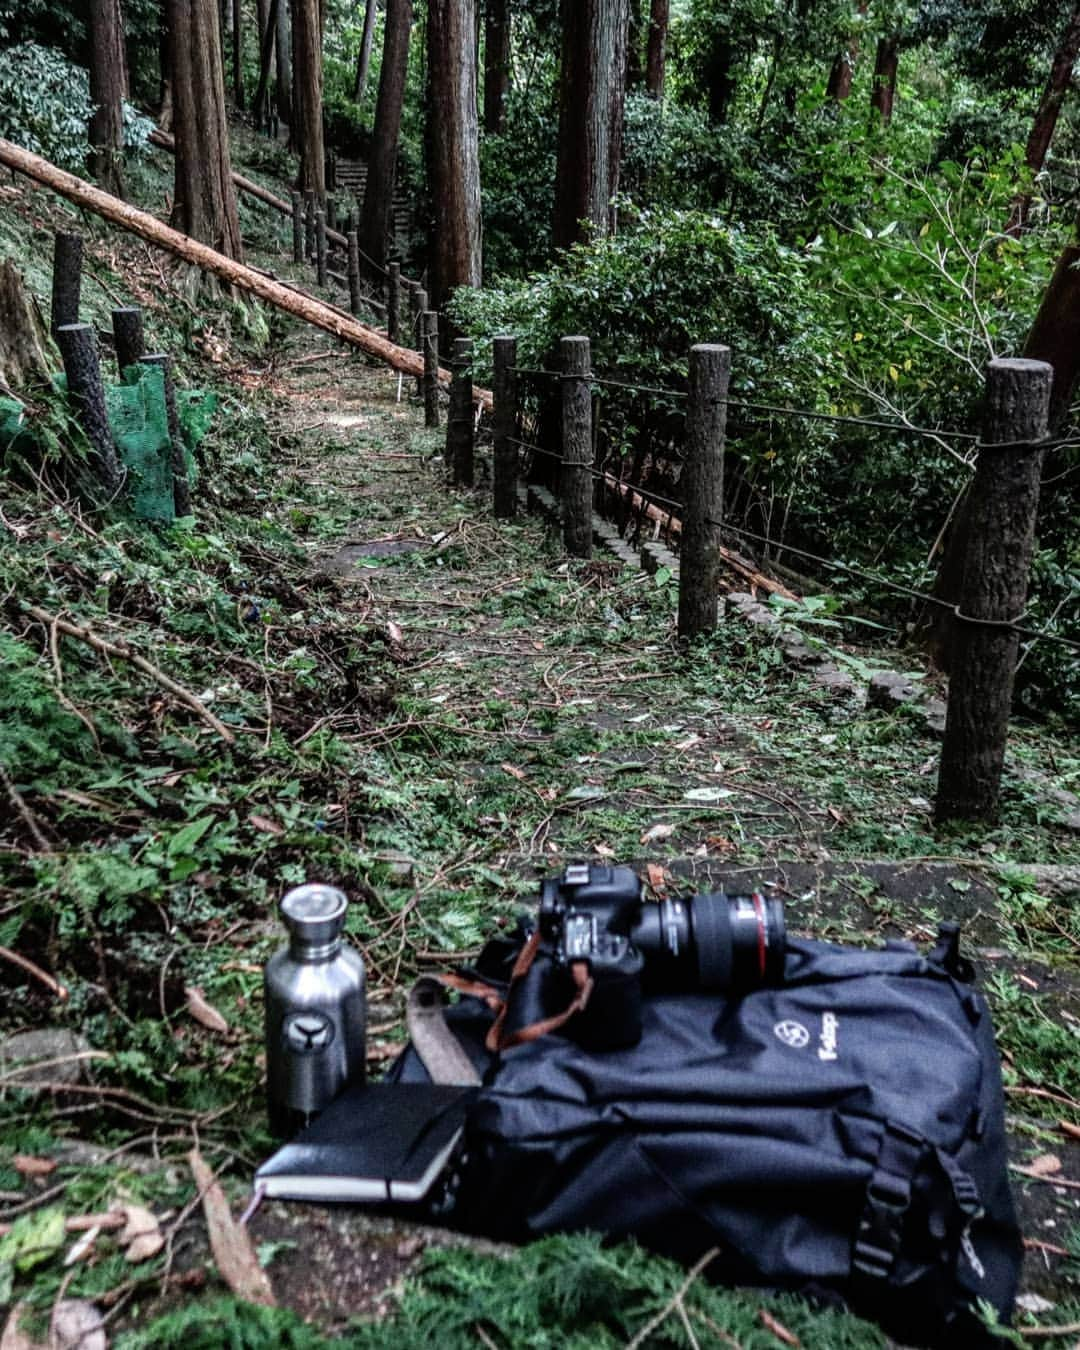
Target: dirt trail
553	699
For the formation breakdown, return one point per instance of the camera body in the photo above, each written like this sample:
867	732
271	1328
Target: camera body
596	916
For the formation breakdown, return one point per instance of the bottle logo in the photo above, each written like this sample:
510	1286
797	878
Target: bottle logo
307	1033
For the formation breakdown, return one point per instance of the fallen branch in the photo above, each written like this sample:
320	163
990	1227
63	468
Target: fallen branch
674	1302
233	1252
18	801
125	653
300	306
24	963
674	525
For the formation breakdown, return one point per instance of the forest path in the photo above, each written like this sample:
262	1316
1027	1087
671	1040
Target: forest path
543	712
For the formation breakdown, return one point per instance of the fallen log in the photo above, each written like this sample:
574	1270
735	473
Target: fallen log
153	231
673	525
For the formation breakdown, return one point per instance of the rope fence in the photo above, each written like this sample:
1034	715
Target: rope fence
986	614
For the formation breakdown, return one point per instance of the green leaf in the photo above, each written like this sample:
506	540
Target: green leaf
33	1239
185	839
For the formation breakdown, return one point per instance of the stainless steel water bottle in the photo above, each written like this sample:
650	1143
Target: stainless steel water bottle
316	1012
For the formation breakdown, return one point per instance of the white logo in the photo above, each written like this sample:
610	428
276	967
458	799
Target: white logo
793	1034
829	1025
968	1248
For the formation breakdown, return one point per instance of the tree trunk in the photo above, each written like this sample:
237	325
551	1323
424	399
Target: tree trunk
363	60
843	68
267	47
1055	334
1057	86
307	127
656	62
883	93
453	138
496	65
283	59
635	42
23	340
377	211
107	83
591	94
204	202
238	55
719	81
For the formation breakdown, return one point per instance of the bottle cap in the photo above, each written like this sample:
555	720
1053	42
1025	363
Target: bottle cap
314	913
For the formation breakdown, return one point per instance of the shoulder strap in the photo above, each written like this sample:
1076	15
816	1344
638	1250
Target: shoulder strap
888	1196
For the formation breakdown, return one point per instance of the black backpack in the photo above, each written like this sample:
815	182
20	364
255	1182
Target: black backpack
841	1135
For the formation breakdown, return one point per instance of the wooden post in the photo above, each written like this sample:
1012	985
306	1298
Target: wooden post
127	324
703	491
504	426
576	477
331	211
297	228
429	325
66	279
460	427
1003	502
309	225
320	247
417	306
87	393
181	486
393	300
354	272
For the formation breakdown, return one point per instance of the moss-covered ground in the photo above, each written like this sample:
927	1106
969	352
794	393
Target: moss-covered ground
432	709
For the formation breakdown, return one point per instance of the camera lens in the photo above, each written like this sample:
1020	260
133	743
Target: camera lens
740	940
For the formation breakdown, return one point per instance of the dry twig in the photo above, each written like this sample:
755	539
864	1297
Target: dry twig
125	653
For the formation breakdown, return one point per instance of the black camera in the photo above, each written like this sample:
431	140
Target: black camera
603	944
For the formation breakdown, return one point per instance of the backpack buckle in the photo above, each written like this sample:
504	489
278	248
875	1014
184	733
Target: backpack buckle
888	1197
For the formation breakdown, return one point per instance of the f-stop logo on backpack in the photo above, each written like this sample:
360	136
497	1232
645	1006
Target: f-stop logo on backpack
792	1033
797	1037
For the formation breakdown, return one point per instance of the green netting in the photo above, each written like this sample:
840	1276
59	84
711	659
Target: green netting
140	427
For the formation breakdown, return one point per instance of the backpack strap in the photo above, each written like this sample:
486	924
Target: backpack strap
888	1196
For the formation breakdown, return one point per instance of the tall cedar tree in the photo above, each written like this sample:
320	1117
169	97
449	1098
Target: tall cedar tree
591	96
204	203
266	15
453	149
363	58
496	64
656	58
283	61
108	80
238	54
375	216
883	94
1042	130
307	95
843	68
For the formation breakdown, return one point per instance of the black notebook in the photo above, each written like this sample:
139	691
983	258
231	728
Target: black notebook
375	1142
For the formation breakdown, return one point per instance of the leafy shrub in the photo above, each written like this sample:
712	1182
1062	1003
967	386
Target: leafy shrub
45	104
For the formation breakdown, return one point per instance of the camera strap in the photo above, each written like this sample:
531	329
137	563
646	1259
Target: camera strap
499	1039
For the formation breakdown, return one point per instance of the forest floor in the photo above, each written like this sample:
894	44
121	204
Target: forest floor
433	709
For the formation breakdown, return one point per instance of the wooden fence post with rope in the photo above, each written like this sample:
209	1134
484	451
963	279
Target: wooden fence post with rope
576	480
393	300
703	488
504	425
429	330
1003	502
460	427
